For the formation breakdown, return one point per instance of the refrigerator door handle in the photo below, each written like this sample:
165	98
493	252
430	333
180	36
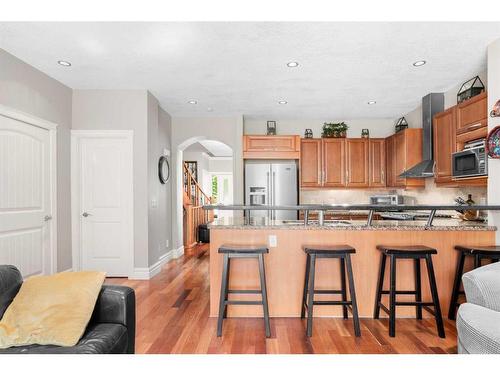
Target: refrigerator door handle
274	194
268	194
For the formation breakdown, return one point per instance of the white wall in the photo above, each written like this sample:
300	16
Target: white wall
185	130
494	164
26	89
377	127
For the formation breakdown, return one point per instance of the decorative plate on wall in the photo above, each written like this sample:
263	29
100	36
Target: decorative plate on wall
163	169
493	143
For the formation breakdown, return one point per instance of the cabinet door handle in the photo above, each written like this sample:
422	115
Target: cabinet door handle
383	176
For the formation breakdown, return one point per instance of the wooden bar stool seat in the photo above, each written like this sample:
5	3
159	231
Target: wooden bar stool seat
242	251
343	252
478	253
416	253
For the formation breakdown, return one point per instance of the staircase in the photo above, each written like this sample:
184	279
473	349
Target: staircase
194	198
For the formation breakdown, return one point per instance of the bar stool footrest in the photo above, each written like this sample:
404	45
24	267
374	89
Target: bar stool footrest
411	292
332	303
245	291
243	302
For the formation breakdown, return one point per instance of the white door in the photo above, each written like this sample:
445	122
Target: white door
25	197
105	204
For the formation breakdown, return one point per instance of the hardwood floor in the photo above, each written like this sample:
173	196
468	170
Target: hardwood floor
173	317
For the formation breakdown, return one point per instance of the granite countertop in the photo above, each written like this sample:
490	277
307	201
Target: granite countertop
411	225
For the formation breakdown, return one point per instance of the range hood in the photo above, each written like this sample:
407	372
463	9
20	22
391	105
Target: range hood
431	104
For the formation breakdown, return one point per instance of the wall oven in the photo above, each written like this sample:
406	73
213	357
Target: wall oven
471	162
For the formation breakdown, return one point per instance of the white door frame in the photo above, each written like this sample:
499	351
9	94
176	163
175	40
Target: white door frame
52	129
76	136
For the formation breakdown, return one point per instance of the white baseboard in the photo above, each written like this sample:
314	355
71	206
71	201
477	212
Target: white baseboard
68	270
146	273
177	253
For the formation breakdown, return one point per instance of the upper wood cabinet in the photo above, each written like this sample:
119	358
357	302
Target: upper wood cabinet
377	167
444	124
334	161
472	114
390	166
406	152
357	162
341	162
311	161
271	147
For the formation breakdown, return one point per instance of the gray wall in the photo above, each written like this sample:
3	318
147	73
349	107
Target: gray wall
26	89
378	127
160	218
185	130
122	110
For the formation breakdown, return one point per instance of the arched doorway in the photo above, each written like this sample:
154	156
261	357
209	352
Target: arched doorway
205	176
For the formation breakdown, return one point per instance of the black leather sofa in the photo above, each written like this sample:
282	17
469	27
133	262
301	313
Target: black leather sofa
110	330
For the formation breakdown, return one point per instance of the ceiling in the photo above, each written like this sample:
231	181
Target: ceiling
240	68
211	148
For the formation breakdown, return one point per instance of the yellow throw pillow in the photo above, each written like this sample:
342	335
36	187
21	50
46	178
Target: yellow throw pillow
51	309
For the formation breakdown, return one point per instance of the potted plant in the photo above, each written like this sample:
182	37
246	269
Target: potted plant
334	130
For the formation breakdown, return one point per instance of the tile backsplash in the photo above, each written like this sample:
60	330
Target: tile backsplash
430	195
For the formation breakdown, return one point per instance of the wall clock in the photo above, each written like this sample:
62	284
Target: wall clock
163	169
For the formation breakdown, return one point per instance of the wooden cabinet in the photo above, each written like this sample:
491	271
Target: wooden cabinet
271	147
404	151
311	155
334	162
444	124
377	168
357	162
472	114
390	166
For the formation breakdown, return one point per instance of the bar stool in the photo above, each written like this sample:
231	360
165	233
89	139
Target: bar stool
242	251
343	252
407	252
479	253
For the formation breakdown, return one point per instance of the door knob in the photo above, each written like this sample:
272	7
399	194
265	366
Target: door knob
47	218
86	214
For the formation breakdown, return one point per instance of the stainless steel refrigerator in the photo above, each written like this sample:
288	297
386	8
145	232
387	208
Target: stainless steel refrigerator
271	182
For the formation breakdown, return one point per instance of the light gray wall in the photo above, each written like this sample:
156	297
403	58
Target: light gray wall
494	164
185	130
160	224
414	117
26	89
377	127
122	110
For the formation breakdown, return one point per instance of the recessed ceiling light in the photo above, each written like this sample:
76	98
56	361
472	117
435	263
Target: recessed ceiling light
419	63
64	63
193	102
210	109
292	64
372	102
282	102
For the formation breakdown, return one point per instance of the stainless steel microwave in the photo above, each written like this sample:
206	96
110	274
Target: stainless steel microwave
471	162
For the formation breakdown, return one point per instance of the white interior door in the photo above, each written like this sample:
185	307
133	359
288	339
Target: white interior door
25	197
105	215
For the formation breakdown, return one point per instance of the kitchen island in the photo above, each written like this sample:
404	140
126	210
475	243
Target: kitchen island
285	263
